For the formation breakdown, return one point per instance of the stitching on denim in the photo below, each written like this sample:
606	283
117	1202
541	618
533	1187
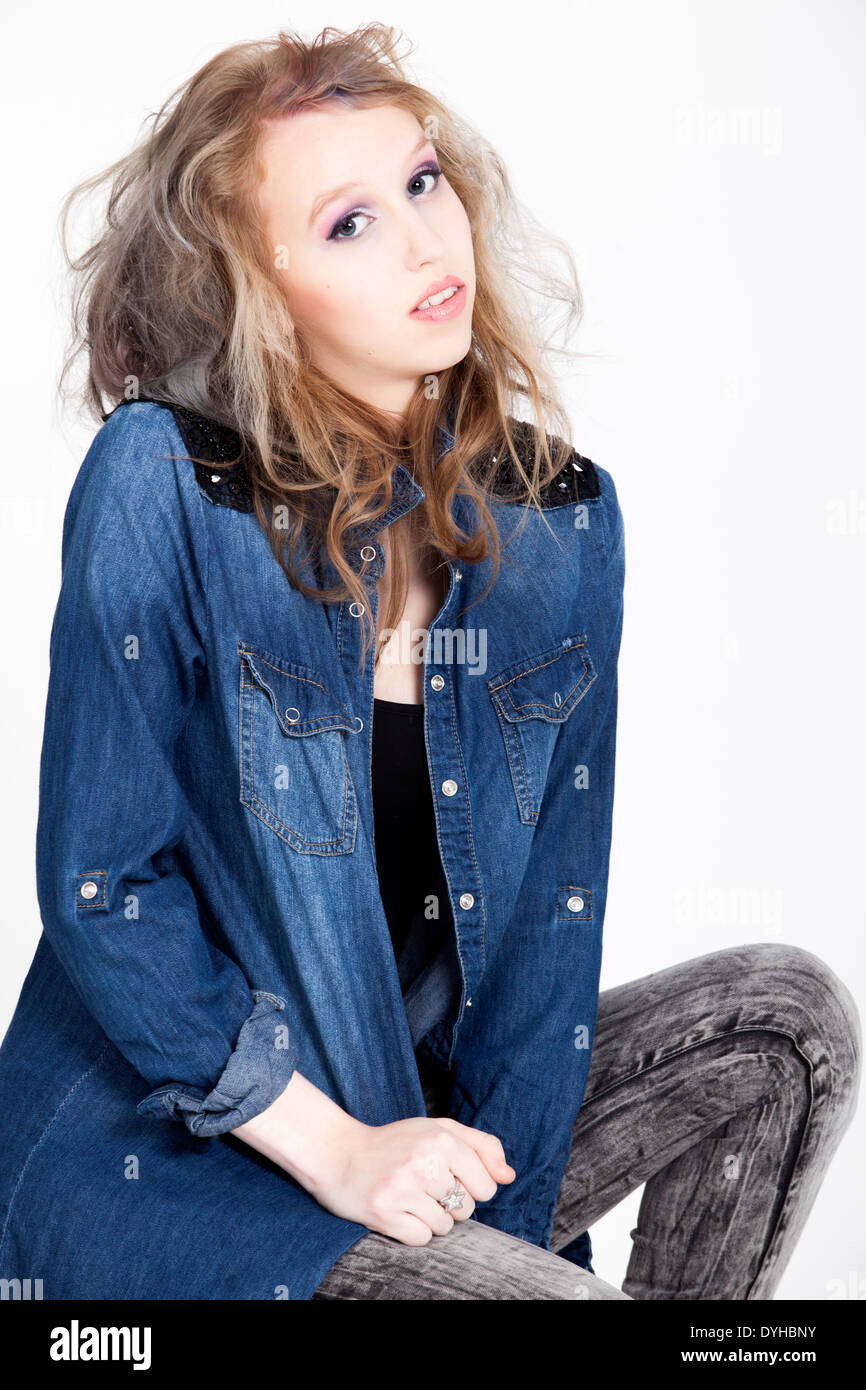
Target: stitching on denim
274	999
520	783
529	813
767	1251
575	917
69	1094
344	720
513	740
588	670
554	656
292	837
468	819
514	777
681	1052
447	875
445	870
93	902
322	845
243	647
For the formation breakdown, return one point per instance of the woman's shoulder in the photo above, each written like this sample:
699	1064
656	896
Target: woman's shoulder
134	499
578	480
138	427
206	441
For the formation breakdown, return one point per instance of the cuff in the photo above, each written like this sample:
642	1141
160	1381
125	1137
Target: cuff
258	1070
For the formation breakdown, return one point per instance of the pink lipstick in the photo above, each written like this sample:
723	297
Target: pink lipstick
449	305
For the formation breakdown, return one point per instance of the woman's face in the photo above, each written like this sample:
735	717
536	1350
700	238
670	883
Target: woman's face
361	226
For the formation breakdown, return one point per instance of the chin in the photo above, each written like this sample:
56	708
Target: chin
446	358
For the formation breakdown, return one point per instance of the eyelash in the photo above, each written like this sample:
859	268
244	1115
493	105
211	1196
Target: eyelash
432	169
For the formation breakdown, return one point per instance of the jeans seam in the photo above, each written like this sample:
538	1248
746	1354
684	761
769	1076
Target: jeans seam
730	1032
69	1094
682	1051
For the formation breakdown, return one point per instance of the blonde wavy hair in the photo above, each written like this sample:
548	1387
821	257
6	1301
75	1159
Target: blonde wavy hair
178	298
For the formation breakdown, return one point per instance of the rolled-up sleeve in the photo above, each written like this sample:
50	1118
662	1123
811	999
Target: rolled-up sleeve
254	1076
127	653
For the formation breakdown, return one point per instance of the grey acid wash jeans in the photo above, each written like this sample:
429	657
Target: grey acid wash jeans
724	1083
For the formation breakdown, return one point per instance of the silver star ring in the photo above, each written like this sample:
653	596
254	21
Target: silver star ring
453	1198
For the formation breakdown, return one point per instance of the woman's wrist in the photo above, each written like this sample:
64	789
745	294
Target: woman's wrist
303	1131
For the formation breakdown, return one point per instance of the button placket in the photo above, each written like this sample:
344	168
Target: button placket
454	832
454	828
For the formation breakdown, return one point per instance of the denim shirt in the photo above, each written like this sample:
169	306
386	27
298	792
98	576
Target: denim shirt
206	866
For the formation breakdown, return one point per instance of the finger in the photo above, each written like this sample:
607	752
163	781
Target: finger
407	1228
432	1213
487	1146
472	1173
461	1213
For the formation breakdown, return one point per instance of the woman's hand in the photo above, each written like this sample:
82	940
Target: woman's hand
389	1177
386	1177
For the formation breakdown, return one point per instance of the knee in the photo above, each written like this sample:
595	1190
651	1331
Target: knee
813	1006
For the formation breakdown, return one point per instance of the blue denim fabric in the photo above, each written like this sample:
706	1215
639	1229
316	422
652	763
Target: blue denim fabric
207	879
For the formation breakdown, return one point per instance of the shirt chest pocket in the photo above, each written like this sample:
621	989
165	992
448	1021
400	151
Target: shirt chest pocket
294	771
533	698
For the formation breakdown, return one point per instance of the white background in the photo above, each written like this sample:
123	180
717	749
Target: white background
705	162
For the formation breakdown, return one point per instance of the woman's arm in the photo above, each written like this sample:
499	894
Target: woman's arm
127	647
386	1177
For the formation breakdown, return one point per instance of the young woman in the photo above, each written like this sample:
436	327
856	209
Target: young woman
327	777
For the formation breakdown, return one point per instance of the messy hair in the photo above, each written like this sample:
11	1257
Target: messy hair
178	298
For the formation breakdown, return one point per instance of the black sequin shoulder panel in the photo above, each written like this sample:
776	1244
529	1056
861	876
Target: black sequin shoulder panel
211	442
576	481
208	442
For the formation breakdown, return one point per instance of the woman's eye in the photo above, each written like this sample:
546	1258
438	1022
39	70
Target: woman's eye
338	232
347	221
433	172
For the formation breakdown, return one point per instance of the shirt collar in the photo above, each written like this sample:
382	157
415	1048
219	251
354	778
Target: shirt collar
405	493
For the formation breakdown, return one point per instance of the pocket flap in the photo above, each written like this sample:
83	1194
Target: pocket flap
301	700
546	686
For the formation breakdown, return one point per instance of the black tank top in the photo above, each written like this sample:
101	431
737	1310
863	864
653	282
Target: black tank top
411	880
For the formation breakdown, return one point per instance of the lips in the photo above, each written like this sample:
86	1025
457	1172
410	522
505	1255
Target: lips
437	287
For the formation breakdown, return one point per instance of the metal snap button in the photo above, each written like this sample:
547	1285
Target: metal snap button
356	609
292	714
575	904
360	722
368	552
89	889
449	788
458	574
437	682
557	699
467	900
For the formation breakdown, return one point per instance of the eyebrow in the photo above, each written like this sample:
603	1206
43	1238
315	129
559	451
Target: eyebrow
325	198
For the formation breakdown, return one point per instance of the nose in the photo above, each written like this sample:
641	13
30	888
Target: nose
423	243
